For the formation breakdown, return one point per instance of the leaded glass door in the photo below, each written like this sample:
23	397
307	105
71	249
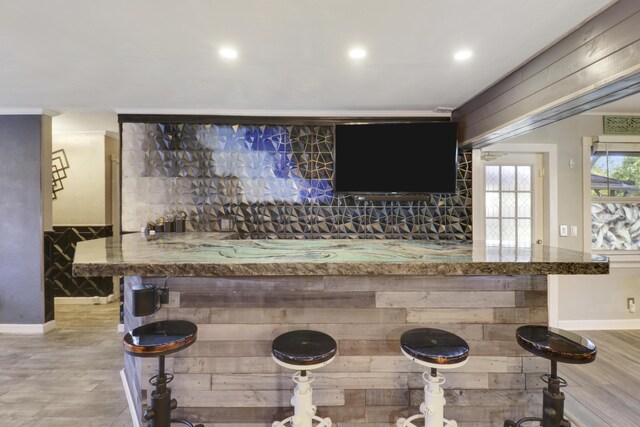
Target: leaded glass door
513	208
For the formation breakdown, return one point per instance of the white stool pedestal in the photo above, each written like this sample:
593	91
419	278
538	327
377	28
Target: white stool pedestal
303	351
304	411
434	349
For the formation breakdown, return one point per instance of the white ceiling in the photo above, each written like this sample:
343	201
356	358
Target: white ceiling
154	55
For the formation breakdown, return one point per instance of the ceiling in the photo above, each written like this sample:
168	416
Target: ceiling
162	55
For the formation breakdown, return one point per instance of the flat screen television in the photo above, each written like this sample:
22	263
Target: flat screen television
396	158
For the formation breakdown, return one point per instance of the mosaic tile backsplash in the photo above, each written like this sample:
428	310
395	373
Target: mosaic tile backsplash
271	182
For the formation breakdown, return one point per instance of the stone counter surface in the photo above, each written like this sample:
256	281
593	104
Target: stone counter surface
219	255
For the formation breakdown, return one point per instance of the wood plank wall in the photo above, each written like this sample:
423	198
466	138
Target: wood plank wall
595	64
228	377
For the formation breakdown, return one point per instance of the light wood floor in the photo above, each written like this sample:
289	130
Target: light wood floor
69	377
606	393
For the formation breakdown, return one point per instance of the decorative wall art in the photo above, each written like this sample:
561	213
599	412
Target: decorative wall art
621	125
59	166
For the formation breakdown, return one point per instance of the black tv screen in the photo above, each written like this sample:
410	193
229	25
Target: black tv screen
419	157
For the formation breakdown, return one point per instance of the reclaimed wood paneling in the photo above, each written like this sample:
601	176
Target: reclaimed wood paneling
228	378
595	64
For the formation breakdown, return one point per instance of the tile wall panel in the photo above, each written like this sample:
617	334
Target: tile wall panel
272	181
60	247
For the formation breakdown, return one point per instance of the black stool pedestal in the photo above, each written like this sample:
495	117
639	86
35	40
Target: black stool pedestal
556	345
159	339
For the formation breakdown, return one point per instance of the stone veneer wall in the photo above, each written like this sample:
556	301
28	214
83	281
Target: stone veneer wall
228	377
273	182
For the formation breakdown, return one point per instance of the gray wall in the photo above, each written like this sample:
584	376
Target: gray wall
583	298
567	136
21	227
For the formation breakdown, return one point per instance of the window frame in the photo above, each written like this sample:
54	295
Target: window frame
604	143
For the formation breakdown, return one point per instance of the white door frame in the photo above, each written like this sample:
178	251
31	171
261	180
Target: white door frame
550	222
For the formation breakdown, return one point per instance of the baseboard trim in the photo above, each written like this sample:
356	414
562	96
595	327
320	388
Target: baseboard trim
599	325
31	328
85	300
132	409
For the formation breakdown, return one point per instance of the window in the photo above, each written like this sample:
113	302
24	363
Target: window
615	197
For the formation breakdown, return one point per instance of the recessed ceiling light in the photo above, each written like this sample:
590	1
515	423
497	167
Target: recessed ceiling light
229	53
357	53
462	55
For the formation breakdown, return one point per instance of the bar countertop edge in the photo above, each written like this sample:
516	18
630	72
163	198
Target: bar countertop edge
222	255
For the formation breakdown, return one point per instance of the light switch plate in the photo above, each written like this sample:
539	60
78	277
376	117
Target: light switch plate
574	230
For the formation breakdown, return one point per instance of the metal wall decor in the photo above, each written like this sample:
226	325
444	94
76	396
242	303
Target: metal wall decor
273	181
59	165
621	125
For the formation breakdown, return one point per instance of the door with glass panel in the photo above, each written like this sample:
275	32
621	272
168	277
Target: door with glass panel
513	200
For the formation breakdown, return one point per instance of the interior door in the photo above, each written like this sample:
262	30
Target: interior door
513	199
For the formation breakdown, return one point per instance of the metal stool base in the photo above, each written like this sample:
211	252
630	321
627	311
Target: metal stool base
432	409
304	411
552	403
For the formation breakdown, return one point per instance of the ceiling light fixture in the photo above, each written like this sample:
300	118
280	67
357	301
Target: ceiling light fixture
463	55
229	53
357	53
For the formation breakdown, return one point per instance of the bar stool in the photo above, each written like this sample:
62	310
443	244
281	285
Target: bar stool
159	339
303	351
434	349
556	345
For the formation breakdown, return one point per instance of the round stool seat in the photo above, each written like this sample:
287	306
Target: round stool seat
305	350
160	338
556	344
434	348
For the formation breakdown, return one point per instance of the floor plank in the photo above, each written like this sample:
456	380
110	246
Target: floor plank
606	393
67	377
71	375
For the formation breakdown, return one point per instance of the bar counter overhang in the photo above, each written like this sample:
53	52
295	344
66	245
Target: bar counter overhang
364	293
219	254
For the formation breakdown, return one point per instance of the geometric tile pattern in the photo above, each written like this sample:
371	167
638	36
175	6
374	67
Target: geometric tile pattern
49	309
59	165
272	181
622	125
60	246
615	226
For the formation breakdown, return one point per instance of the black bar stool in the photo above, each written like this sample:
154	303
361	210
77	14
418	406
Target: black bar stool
434	349
159	339
303	351
556	345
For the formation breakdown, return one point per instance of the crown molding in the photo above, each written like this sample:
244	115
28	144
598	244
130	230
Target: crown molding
282	113
28	112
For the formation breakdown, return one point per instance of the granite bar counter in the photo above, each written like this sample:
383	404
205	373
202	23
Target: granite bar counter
364	293
218	254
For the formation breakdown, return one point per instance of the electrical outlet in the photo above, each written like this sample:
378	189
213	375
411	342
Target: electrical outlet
631	305
226	224
574	231
564	231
